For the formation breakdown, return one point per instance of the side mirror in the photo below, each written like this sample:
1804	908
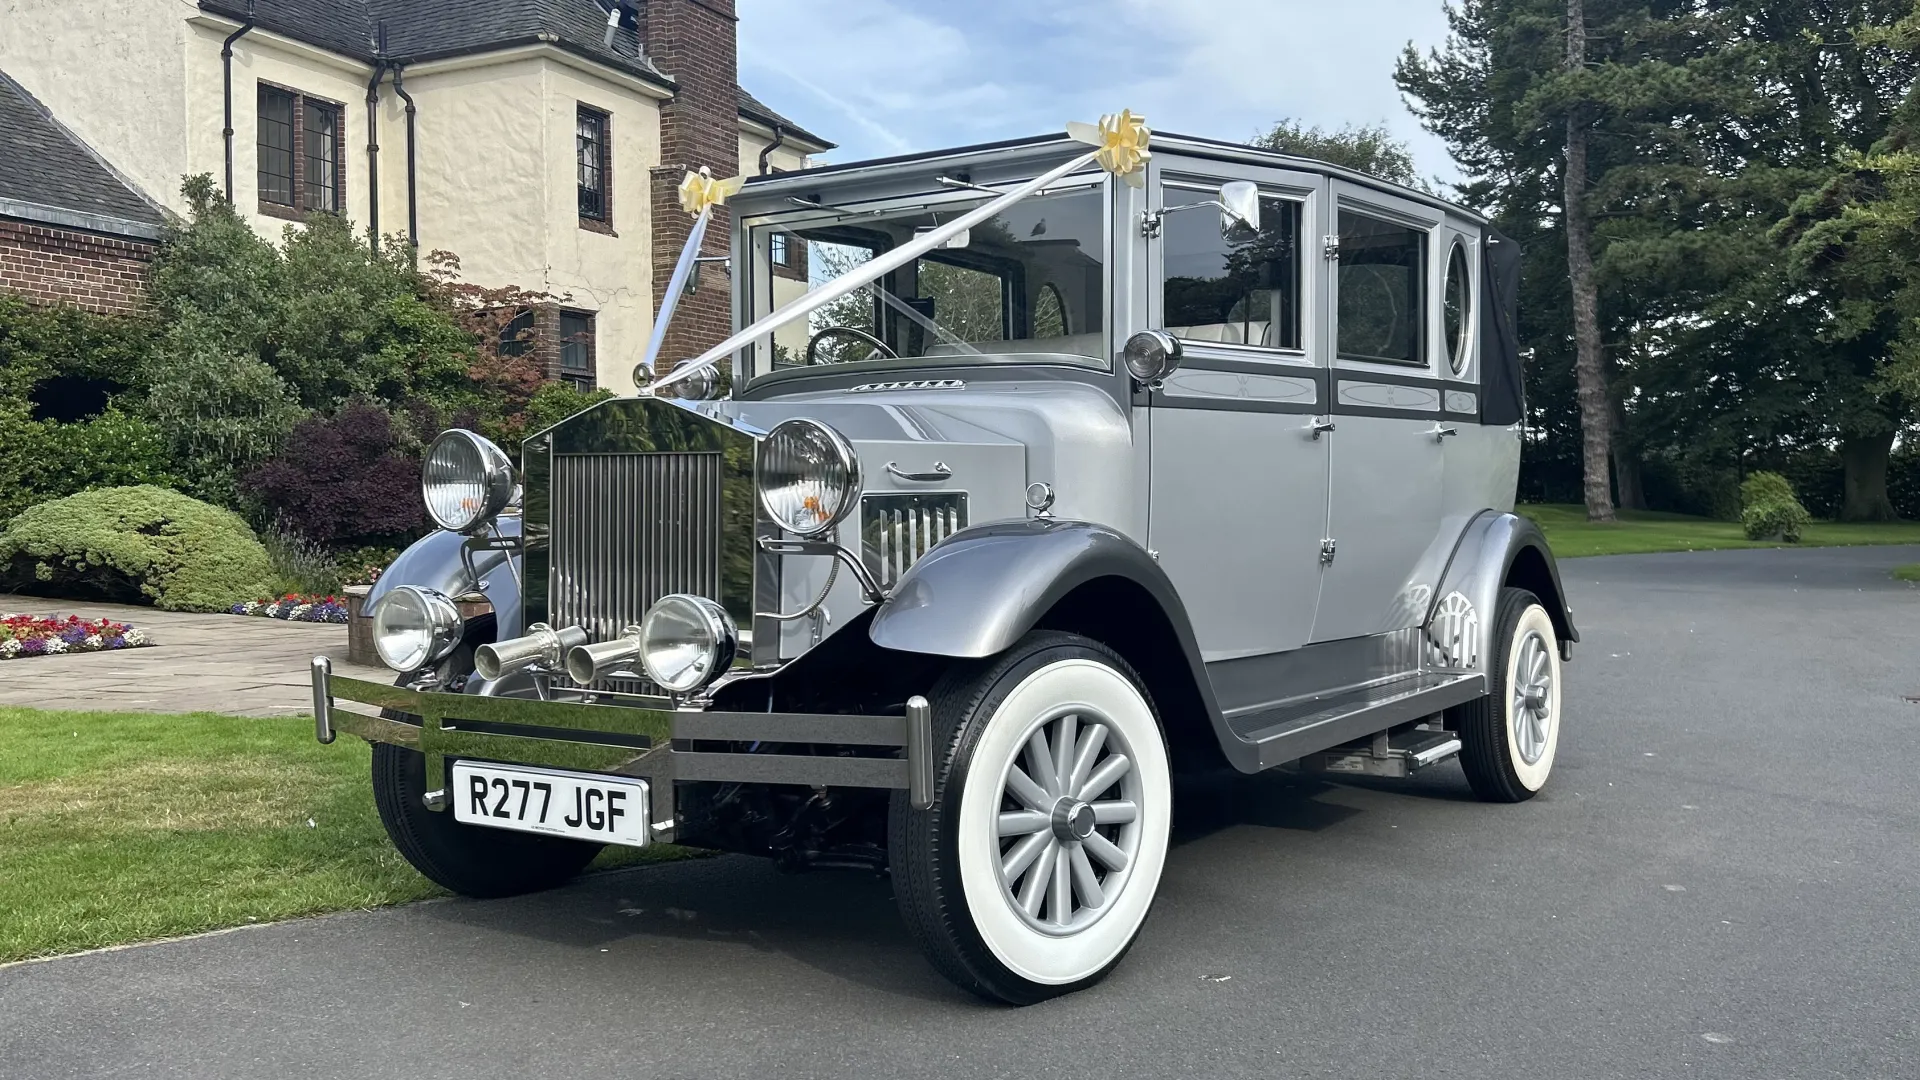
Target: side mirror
1239	210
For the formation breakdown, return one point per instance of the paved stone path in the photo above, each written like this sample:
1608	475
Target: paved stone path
201	663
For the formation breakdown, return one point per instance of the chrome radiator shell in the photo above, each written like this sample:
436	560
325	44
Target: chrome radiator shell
629	501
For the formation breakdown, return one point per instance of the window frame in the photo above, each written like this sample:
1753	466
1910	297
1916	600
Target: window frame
1351	198
296	209
749	296
1459	346
1180	190
602	221
588	376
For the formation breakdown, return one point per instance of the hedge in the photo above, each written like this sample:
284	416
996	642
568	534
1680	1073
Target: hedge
134	545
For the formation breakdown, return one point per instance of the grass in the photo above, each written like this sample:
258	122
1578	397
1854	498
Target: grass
121	827
1571	534
1909	572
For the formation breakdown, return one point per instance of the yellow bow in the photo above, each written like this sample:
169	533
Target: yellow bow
1123	143
700	190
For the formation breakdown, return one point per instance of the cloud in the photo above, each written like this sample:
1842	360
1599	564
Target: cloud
885	76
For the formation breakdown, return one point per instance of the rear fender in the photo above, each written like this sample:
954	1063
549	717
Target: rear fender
1495	551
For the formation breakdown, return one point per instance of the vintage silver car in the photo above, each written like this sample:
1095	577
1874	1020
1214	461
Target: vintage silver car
1026	485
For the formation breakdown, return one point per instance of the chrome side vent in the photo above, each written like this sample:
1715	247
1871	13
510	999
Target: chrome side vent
895	530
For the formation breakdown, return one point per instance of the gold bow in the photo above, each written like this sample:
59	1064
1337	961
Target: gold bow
1123	143
700	190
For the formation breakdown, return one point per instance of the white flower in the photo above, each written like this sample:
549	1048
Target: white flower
94	641
253	607
299	611
272	611
135	637
10	648
55	645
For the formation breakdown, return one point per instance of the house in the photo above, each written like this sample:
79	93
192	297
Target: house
542	141
72	231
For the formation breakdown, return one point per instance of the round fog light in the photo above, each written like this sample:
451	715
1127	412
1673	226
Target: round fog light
686	642
1151	356
413	627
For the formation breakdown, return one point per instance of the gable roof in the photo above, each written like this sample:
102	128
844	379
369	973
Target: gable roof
421	30
47	174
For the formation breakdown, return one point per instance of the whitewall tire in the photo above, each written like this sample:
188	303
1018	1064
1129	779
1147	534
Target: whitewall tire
1509	739
1035	869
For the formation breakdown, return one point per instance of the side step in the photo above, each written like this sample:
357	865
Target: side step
1292	730
1400	754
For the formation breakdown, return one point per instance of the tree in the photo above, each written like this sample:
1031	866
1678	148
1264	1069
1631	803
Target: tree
1699	123
1851	243
1369	149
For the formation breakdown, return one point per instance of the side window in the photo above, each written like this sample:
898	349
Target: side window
1236	291
1457	307
1382	291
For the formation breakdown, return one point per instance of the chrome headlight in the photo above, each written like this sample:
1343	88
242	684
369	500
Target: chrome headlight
466	480
686	642
809	476
414	627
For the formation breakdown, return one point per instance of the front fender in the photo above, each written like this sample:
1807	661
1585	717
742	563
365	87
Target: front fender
434	562
1496	550
980	589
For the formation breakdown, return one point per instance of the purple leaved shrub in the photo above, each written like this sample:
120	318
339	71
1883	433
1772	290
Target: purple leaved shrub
353	477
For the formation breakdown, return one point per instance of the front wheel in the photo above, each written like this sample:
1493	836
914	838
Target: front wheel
1509	738
1034	870
467	859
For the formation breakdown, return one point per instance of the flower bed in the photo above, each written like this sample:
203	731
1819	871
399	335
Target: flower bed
30	635
295	607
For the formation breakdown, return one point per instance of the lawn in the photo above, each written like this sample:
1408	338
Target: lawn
119	827
1571	534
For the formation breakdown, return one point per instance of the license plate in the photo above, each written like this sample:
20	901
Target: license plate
603	809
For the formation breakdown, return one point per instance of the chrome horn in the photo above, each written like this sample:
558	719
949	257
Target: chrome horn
587	664
542	645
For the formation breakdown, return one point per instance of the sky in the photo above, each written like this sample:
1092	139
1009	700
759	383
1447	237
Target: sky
883	77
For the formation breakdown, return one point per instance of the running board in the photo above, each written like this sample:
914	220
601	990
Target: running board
1399	754
1292	731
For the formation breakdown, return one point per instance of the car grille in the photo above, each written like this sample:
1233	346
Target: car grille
627	530
895	530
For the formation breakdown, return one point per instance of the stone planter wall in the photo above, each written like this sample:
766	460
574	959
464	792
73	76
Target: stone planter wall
360	627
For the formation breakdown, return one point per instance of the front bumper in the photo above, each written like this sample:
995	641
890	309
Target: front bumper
653	744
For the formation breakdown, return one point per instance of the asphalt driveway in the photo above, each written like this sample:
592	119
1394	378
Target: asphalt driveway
1721	880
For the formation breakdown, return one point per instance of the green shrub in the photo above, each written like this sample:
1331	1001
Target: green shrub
135	544
300	565
1768	508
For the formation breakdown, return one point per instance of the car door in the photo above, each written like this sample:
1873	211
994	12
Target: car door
1238	475
1387	456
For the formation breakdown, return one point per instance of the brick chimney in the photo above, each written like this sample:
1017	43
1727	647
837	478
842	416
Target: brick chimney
692	42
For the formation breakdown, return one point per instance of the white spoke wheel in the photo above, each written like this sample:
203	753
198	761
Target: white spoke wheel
1509	738
1034	870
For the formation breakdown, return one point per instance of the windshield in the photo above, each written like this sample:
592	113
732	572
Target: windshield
1028	284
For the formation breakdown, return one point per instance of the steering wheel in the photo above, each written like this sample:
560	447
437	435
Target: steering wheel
813	345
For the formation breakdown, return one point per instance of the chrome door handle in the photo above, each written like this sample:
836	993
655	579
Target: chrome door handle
1441	431
940	472
1320	426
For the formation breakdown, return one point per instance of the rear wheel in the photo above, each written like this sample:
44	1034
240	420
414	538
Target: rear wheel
1509	738
467	859
1034	870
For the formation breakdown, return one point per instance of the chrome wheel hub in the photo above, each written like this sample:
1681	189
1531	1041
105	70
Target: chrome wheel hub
1530	686
1069	823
